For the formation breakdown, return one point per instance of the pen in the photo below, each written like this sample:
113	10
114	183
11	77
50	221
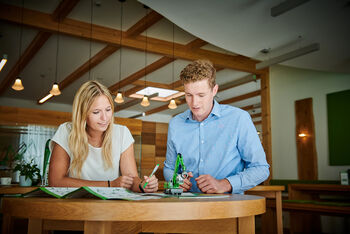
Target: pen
154	171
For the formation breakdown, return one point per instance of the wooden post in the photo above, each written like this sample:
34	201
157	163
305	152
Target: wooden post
266	119
306	146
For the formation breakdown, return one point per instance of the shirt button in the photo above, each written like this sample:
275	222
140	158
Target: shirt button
201	160
201	124
202	142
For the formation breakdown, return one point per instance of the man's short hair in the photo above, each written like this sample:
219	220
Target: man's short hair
199	70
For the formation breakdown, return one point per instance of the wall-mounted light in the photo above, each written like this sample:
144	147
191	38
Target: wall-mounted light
3	61
44	99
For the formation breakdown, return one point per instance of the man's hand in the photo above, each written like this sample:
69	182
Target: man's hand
186	186
208	184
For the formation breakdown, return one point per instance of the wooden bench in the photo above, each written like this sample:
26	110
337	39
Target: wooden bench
306	202
273	193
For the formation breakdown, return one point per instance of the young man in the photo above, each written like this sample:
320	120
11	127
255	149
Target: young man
219	143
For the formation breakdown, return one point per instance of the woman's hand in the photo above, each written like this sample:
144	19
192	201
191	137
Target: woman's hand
123	181
152	184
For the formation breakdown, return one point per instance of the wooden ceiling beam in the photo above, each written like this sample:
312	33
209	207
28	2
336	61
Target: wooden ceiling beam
227	101
255	115
251	107
63	9
151	84
23	61
144	23
238	82
165	107
76	28
140	73
40	39
241	97
133	90
98	58
151	68
91	63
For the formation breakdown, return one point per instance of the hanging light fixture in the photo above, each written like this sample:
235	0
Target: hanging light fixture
3	61
145	101
172	103
119	98
55	89
18	82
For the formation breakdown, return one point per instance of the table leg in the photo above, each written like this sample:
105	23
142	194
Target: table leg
279	212
6	224
192	226
97	227
35	226
246	225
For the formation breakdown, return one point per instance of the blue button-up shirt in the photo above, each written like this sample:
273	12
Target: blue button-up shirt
224	145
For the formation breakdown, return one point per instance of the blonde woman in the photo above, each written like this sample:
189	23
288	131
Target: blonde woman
92	150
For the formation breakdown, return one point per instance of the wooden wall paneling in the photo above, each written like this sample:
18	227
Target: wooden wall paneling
266	119
147	159
148	150
134	125
149	127
17	115
162	128
306	146
161	142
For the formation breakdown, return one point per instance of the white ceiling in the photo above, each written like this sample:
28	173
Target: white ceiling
246	27
242	27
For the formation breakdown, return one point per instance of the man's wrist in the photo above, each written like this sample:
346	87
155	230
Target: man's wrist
227	185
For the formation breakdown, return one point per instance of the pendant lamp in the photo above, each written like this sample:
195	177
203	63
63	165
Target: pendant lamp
119	98
172	103
18	86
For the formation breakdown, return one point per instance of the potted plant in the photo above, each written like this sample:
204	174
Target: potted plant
28	171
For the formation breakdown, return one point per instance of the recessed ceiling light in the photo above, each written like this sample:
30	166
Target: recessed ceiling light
161	92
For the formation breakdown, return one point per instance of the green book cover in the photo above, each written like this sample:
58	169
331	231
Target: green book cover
107	193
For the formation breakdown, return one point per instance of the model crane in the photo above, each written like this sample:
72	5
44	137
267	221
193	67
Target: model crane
173	186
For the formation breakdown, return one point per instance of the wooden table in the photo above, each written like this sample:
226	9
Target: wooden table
273	192
234	214
15	189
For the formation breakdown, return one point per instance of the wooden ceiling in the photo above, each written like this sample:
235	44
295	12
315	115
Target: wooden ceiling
131	38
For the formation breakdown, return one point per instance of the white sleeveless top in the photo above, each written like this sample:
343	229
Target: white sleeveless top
93	167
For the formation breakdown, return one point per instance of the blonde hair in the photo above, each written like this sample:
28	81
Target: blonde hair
78	138
199	70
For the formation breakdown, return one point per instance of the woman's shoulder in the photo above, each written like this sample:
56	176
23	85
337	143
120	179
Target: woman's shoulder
67	126
119	127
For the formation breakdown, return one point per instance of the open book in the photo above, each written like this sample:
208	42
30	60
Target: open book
104	193
107	193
